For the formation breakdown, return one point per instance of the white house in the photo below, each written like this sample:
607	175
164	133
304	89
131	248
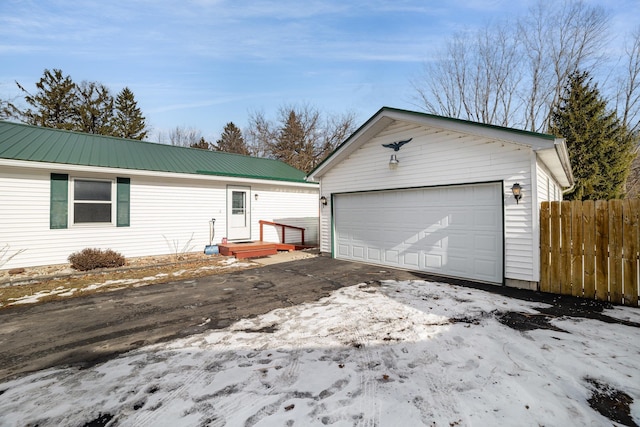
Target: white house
62	191
434	194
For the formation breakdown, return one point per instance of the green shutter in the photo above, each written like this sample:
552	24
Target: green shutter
123	202
59	200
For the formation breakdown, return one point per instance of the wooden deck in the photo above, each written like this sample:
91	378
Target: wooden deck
257	249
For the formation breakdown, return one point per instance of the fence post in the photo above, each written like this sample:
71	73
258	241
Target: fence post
602	250
630	251
545	248
589	232
577	249
556	272
615	251
565	247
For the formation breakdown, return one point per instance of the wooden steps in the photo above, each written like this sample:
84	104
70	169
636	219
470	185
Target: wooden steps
257	249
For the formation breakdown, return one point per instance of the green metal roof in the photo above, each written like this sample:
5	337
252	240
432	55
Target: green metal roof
38	144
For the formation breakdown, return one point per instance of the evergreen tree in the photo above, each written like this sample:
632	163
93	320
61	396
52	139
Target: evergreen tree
600	147
54	105
202	144
292	146
94	109
128	121
88	107
301	137
232	141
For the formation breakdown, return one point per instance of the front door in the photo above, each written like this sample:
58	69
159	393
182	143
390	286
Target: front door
238	213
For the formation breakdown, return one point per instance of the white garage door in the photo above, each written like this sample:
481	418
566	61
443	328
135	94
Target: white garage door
453	231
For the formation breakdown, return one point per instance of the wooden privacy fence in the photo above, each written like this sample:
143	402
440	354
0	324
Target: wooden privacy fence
590	249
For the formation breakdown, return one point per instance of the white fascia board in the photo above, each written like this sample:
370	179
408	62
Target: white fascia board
362	135
556	159
530	139
22	164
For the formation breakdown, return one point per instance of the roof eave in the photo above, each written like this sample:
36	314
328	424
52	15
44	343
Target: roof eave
556	158
149	173
386	115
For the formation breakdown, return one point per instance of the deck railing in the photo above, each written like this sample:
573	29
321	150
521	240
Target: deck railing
283	226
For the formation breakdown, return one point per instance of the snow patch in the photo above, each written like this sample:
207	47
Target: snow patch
402	353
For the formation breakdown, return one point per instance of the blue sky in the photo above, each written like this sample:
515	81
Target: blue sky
203	63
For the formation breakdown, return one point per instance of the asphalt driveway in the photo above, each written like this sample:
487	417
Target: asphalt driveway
87	330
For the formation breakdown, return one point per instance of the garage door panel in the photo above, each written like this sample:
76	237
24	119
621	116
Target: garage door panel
432	262
458	242
486	242
391	256
485	217
457	265
454	231
343	251
488	268
374	254
411	259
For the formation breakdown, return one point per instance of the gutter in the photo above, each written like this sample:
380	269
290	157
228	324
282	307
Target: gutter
563	154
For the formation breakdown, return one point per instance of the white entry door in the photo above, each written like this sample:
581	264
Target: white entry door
454	231
238	213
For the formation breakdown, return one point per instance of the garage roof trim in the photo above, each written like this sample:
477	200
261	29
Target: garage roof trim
551	150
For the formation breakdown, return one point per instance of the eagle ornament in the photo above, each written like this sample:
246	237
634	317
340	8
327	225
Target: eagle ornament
396	145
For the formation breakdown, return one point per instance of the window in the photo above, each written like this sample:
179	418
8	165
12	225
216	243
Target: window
238	202
92	201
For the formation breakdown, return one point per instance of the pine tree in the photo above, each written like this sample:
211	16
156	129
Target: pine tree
94	109
292	146
600	147
301	137
55	103
128	121
202	144
232	141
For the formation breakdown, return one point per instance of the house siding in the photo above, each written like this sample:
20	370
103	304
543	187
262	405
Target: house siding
296	207
548	188
438	157
167	215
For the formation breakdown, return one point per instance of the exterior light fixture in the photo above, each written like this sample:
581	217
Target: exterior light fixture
255	196
395	146
393	162
517	192
323	201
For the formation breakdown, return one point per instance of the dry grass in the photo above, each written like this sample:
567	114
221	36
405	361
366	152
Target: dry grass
57	282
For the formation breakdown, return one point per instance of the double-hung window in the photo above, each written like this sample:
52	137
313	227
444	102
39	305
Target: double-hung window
86	201
93	201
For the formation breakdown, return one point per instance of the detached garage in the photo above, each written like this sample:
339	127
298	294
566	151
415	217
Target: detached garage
434	194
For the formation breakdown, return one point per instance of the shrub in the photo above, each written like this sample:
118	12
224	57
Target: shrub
89	259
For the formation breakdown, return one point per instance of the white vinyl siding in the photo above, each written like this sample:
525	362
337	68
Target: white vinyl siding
548	188
295	206
437	157
167	215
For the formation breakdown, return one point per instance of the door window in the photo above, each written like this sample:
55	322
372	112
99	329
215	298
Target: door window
238	202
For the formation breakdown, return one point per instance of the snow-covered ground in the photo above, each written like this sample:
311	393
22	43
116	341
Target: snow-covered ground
400	354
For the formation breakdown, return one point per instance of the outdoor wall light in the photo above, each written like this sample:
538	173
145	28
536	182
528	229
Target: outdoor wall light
517	192
255	196
393	162
323	201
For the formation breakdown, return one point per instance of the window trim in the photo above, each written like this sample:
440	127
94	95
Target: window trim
112	202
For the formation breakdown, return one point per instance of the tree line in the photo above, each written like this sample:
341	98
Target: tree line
537	72
83	107
300	136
